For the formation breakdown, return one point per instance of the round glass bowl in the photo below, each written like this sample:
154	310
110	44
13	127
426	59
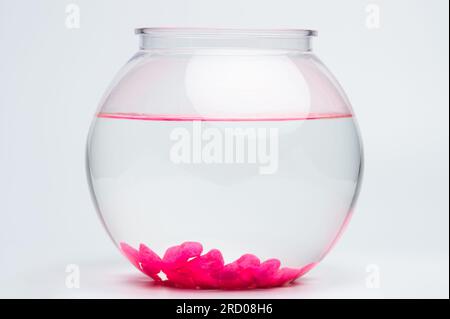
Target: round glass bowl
224	159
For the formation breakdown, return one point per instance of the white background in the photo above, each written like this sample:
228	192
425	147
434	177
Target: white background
52	77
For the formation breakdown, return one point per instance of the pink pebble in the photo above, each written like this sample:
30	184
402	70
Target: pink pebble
180	277
248	268
266	272
248	261
181	253
151	263
174	263
229	277
205	270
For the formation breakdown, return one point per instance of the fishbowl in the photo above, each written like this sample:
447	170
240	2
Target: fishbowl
224	159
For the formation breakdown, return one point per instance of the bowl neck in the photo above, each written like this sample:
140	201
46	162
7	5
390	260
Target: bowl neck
173	39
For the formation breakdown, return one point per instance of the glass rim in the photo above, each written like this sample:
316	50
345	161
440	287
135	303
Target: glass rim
224	32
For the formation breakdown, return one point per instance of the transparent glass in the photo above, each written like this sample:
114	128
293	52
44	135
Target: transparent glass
224	159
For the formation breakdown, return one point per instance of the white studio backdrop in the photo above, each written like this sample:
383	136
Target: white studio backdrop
391	57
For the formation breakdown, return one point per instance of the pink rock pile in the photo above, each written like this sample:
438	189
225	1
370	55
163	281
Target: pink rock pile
185	267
